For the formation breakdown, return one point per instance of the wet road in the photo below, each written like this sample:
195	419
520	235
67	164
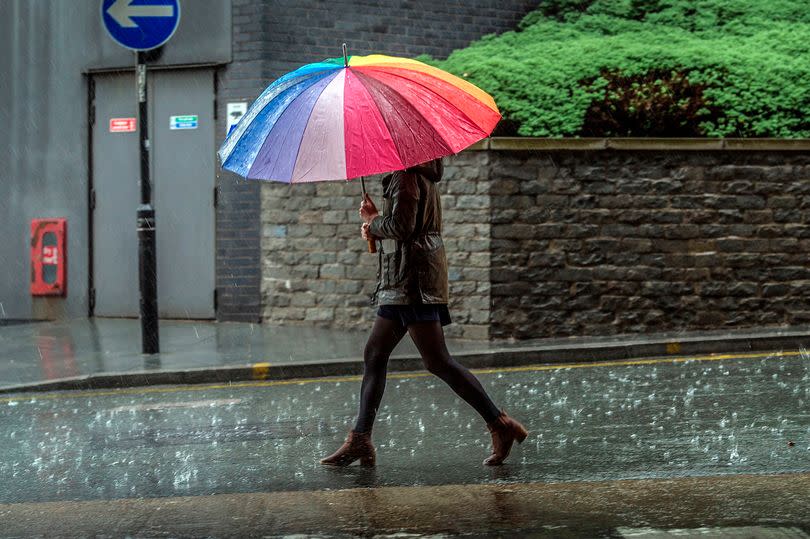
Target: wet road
598	423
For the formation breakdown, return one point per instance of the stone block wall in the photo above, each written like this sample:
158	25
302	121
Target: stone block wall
568	243
315	267
610	242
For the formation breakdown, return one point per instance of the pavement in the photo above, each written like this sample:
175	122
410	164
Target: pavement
688	446
105	353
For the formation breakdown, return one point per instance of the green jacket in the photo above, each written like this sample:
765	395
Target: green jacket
413	264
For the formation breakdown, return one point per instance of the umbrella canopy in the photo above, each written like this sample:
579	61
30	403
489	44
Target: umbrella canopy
349	117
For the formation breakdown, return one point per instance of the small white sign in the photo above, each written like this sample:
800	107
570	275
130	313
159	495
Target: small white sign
187	121
235	113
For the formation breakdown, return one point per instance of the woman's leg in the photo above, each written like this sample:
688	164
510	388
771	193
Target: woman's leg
429	340
385	335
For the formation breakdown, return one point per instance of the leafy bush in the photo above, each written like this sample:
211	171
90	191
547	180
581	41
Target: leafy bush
738	68
656	104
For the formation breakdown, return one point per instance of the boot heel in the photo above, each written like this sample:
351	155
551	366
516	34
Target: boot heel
521	434
357	446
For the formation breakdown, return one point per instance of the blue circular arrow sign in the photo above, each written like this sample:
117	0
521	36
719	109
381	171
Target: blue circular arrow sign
140	25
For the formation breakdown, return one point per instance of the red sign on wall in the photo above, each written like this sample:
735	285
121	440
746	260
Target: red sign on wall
48	257
123	125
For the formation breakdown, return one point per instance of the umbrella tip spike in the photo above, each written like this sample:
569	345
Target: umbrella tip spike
345	56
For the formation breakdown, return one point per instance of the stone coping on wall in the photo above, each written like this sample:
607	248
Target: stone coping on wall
679	144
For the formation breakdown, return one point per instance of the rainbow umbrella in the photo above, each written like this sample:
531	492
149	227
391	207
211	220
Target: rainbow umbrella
356	116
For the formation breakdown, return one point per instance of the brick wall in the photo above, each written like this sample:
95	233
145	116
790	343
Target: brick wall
238	240
600	243
299	31
271	38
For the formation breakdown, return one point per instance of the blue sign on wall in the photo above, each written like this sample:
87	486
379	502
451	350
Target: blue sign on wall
186	121
140	25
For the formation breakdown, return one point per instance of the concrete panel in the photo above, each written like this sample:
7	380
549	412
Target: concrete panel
47	45
116	175
184	174
43	148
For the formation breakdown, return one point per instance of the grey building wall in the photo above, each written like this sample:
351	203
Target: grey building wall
48	46
43	145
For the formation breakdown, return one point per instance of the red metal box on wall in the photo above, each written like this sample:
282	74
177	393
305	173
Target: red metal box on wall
48	257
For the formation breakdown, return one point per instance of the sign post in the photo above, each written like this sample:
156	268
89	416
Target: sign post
140	27
147	259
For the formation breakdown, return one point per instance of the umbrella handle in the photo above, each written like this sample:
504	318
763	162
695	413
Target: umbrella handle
372	244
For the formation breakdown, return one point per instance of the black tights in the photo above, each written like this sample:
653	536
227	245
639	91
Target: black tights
429	340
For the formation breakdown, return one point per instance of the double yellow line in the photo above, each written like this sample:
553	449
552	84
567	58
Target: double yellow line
260	369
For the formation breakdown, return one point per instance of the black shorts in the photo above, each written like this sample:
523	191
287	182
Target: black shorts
408	314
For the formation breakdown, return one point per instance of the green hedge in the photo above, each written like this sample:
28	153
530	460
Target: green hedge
714	68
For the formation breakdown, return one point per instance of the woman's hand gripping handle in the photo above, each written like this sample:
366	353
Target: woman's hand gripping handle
368	212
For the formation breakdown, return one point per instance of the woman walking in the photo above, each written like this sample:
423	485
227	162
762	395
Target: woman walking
412	294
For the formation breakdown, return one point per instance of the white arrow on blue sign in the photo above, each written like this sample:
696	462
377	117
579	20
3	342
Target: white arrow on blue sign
140	25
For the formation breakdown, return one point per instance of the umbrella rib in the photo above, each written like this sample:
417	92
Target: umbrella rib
432	71
375	94
472	122
365	96
317	133
283	112
309	117
306	82
382	125
265	99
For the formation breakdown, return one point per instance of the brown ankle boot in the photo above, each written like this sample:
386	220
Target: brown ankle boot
357	446
505	430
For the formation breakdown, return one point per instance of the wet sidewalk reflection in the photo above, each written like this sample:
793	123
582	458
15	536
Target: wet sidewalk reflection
54	350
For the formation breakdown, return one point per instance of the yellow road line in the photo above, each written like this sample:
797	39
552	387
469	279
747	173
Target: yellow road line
404	375
629	362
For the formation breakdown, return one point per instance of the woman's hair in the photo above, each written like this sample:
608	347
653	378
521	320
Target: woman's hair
436	166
